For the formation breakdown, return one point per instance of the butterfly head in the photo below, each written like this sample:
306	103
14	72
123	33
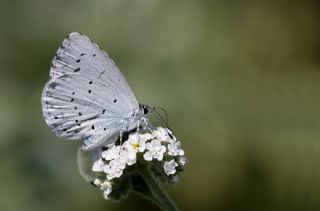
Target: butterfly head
145	110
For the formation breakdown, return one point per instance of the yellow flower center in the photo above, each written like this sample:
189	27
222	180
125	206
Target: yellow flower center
136	146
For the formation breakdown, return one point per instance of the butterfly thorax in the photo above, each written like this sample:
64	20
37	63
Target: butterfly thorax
139	118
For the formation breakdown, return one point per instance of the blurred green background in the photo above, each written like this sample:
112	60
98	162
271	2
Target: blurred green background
240	81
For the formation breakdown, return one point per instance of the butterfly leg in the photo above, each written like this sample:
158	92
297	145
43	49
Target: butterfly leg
138	126
121	133
146	123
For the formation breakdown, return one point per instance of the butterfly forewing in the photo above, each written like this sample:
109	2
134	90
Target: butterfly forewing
87	96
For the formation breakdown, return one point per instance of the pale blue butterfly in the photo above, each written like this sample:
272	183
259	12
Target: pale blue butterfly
87	97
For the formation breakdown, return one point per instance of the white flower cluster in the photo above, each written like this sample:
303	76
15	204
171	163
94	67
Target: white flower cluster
158	144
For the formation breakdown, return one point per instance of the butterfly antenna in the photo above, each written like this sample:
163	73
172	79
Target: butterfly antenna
165	113
163	123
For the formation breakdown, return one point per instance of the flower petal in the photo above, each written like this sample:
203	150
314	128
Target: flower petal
147	156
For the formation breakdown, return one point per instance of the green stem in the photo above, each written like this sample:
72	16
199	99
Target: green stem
160	196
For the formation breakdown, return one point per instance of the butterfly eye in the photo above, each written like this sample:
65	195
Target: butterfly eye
145	110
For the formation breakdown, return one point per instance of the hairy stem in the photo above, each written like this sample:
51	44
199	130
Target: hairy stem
160	196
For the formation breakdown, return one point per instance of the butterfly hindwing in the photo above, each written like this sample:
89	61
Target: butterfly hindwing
87	96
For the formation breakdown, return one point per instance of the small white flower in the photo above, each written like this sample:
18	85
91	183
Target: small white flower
155	150
133	136
174	149
135	142
111	153
114	169
170	167
128	156
106	194
182	160
106	187
145	137
98	165
162	134
97	182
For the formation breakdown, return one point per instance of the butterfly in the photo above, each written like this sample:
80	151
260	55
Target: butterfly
87	97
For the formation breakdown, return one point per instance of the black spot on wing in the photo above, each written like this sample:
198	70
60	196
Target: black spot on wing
53	85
